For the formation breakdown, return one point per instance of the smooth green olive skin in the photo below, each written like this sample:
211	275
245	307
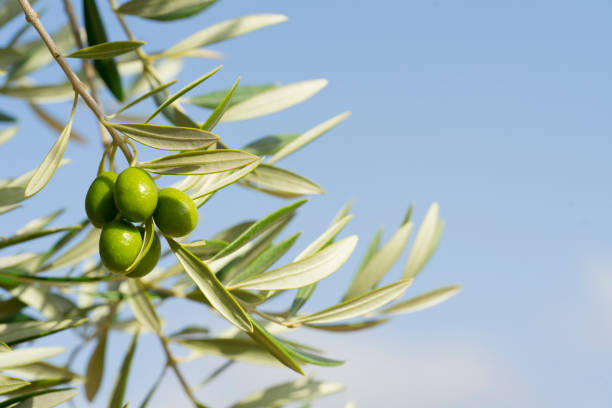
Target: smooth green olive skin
135	194
99	201
120	243
148	262
176	214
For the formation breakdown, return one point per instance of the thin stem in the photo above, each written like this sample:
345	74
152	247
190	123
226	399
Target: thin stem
32	18
179	375
87	68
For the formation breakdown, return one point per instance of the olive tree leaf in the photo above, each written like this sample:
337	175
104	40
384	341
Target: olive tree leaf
224	31
268	341
199	162
357	306
381	262
305	389
43	370
19	332
8	384
28	236
47	168
10	9
39	223
213	99
7	134
95	367
425	243
218	181
183	91
265	259
21	357
5	117
106	50
348	327
9	56
220	109
163	10
210	286
281	182
167	137
147	241
96	34
308	137
141	306
144	96
87	247
271	144
421	302
118	392
40	93
274	100
40	399
51	305
301	273
308	357
259	228
237	349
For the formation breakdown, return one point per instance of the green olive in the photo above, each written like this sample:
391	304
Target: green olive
148	262
120	243
135	194
176	215
99	201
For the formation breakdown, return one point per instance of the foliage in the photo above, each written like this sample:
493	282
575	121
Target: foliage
232	274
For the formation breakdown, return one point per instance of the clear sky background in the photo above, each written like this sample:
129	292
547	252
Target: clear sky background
497	110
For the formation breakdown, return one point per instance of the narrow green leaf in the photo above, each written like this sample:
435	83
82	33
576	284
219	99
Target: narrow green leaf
167	137
308	137
214	99
183	91
40	399
42	370
311	358
40	93
265	259
7	134
321	241
96	34
206	248
80	251
28	236
372	249
259	227
39	223
51	305
237	349
47	168
21	357
266	340
5	117
348	327
141	306
269	145
421	302
210	286
15	333
381	263
280	395
218	181
425	243
274	100
106	50
358	306
224	31
217	114
144	96
95	367
199	162
9	56
158	381
147	241
280	182
8	384
309	270
163	10
118	392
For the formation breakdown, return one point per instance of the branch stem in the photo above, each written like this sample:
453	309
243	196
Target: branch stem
33	19
172	364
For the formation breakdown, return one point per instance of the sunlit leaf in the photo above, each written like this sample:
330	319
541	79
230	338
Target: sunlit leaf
234	348
141	306
7	134
40	93
425	243
280	395
8	384
51	305
84	249
225	30
39	223
220	109
348	327
15	333
40	399
358	306
167	137
199	162
219	180
21	357
118	392
309	270
144	96
210	286
214	99
95	367
269	145
274	100
308	137
281	182
265	339
423	301
308	357
163	10
106	50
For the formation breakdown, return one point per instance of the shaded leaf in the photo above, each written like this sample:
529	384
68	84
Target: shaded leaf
225	30
270	144
274	100
304	272
163	10
84	249
118	392
144	96
40	93
40	399
167	137
423	301
214	99
106	50
15	333
311	358
95	367
210	286
10	9
199	162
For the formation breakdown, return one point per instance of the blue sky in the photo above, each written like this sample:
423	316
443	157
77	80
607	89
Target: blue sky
499	111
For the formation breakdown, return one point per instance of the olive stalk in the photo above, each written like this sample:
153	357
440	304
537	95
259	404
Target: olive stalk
32	17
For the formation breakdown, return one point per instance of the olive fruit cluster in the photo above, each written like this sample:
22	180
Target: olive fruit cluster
114	202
